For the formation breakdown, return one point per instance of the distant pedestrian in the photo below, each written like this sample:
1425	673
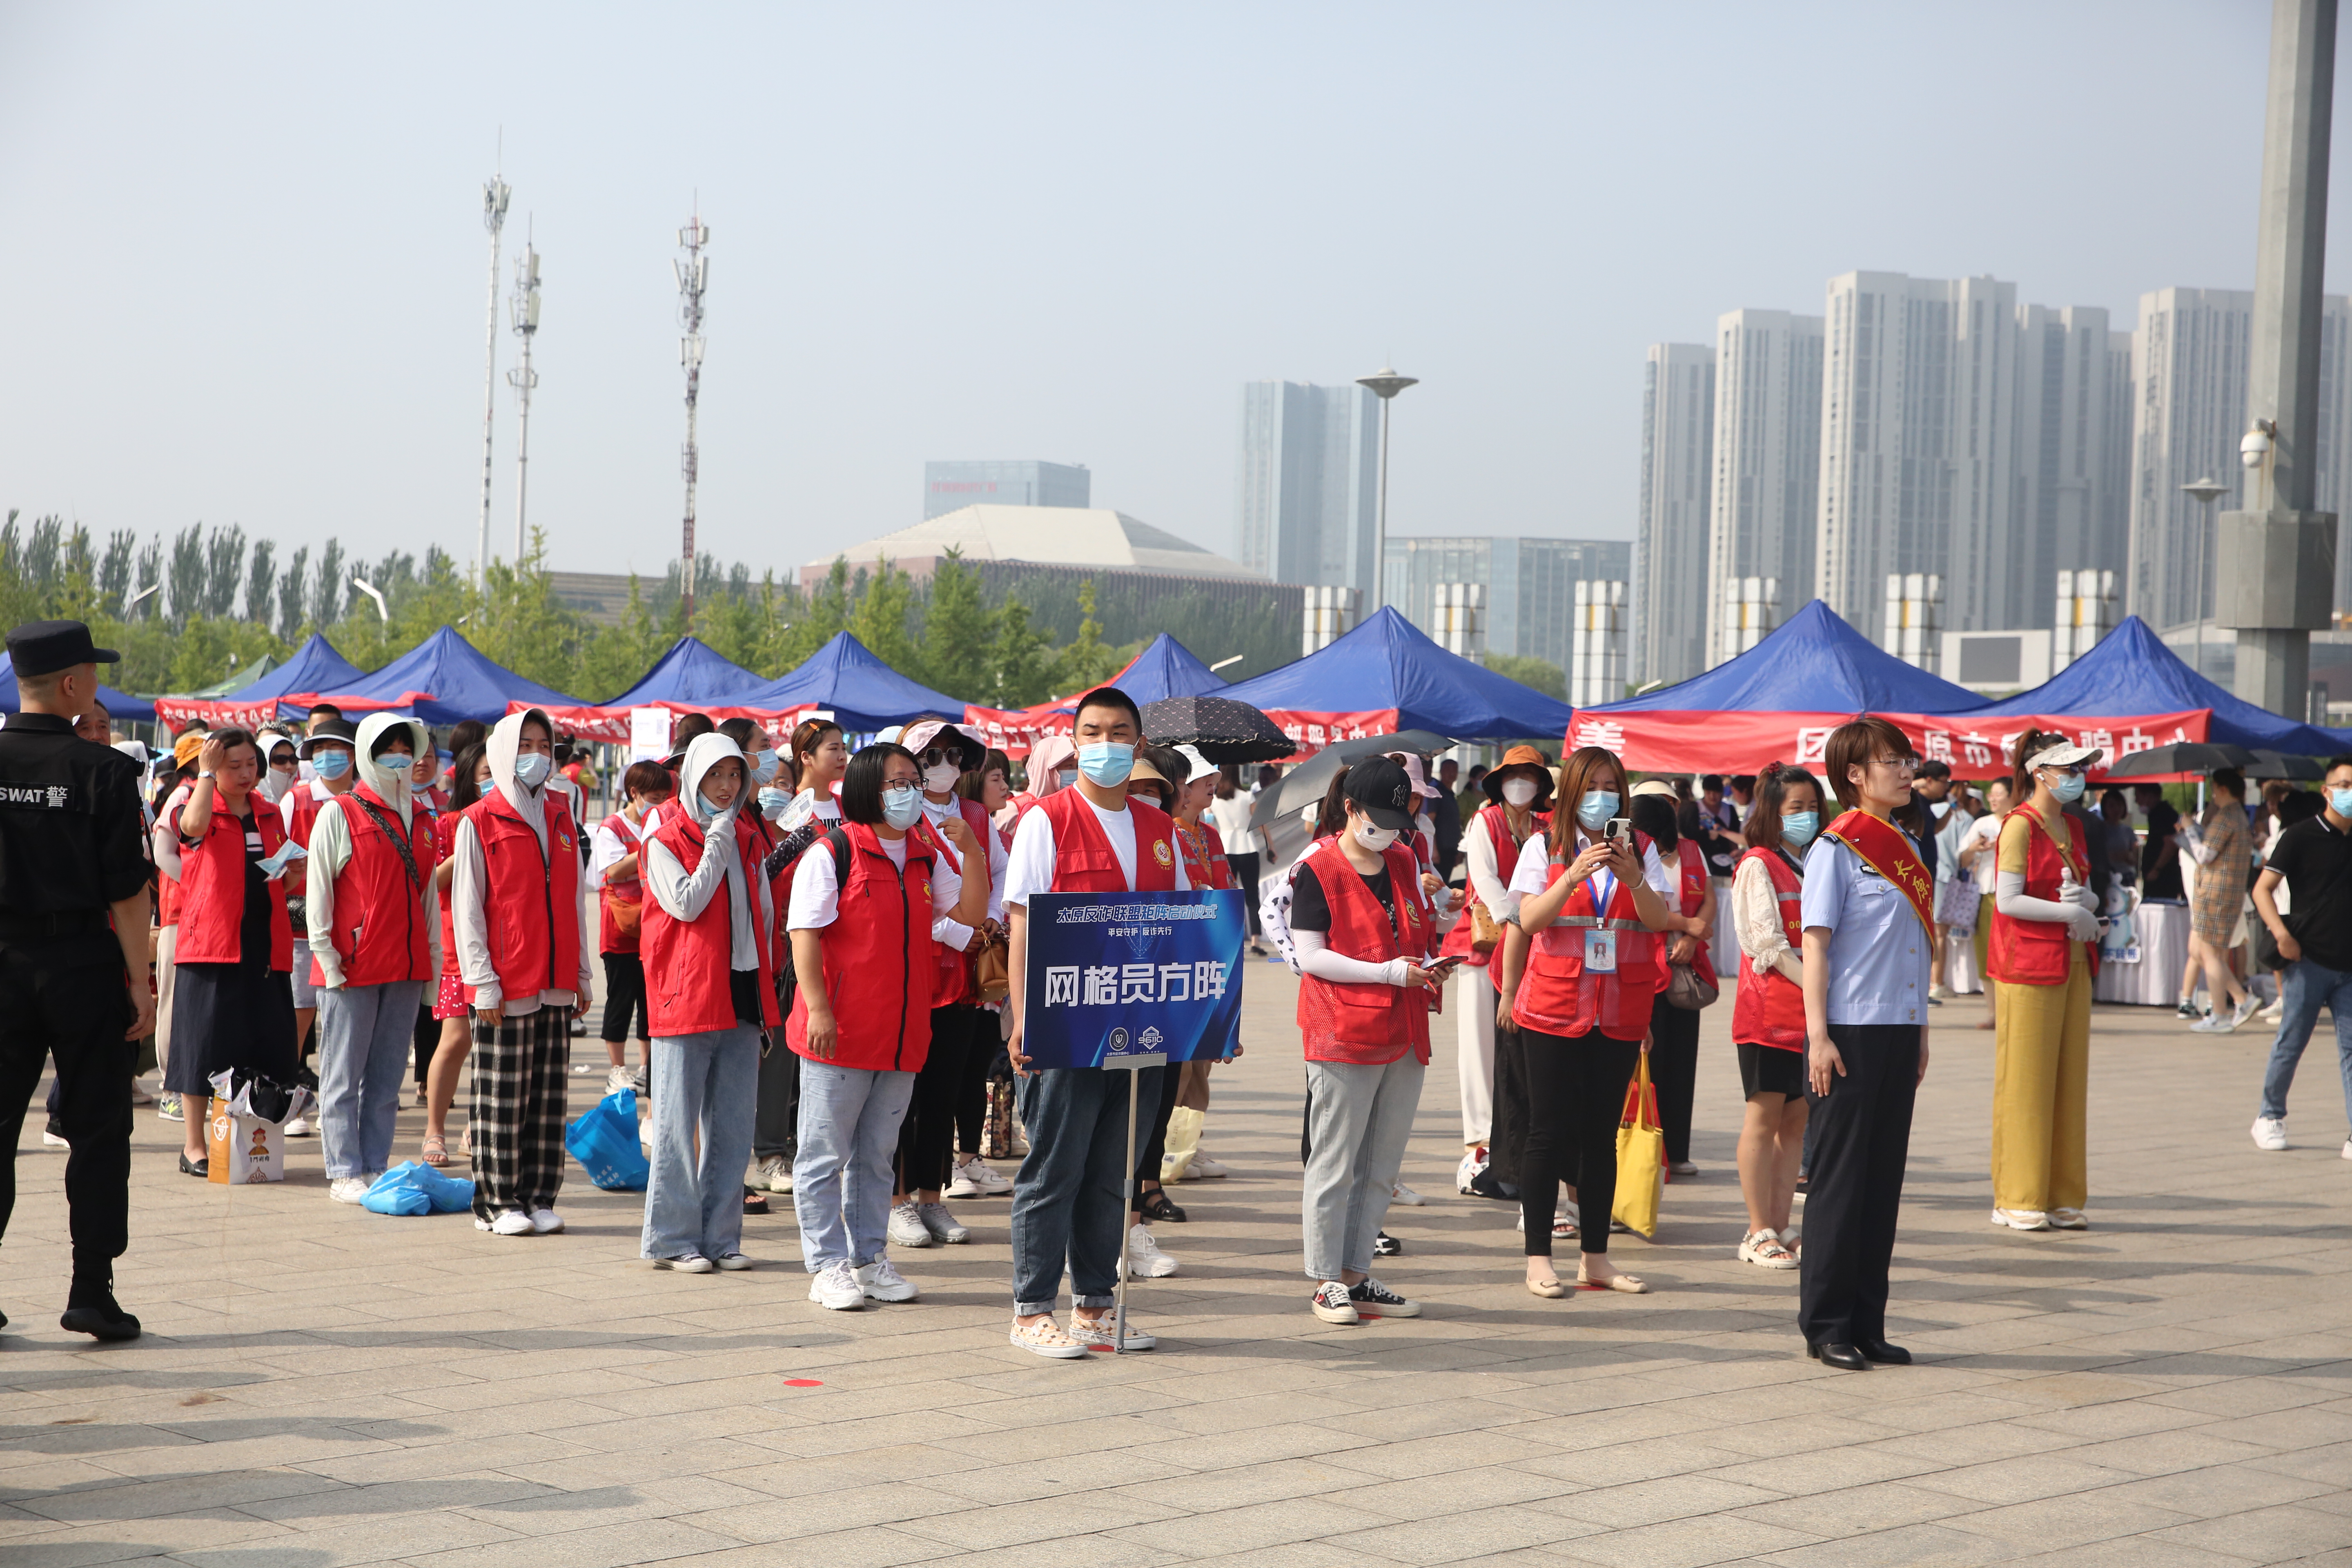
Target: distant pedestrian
2312	863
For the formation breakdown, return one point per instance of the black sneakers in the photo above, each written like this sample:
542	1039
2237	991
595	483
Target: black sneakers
1334	1303
91	1309
1371	1296
1386	1246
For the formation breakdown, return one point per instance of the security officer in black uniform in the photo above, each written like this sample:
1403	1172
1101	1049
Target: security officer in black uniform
73	985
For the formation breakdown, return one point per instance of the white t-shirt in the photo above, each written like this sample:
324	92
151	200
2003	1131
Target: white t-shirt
816	897
1984	830
1532	875
1233	819
1031	867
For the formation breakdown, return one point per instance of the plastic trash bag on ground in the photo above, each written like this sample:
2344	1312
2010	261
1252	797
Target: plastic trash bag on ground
605	1144
411	1188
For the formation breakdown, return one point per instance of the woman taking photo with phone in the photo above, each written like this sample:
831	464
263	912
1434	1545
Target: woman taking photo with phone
1580	969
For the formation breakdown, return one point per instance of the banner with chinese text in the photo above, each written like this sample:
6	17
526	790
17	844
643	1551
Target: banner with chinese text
1715	743
1113	974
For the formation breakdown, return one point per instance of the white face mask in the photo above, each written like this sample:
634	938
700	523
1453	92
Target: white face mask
1519	792
1375	839
941	779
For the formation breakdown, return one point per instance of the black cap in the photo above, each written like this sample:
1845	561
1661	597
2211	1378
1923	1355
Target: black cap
1380	787
45	647
329	730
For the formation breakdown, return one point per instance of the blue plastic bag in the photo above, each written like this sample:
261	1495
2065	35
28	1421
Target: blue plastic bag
411	1188
605	1141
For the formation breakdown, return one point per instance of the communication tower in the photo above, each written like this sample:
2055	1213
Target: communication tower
494	216
525	309
693	276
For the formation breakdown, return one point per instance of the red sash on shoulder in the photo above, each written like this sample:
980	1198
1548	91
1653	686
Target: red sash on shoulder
1885	849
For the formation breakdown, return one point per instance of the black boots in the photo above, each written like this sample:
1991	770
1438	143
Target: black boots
91	1309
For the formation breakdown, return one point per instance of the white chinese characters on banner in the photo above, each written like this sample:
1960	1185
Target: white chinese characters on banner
1112	985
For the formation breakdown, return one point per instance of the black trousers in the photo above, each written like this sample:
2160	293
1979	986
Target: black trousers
1244	868
927	1137
65	998
1506	1136
1576	1098
1863	1136
1151	1137
1674	1071
625	995
776	1123
982	1051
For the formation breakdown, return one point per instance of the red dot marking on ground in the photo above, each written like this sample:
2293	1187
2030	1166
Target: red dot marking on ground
802	1383
1100	1349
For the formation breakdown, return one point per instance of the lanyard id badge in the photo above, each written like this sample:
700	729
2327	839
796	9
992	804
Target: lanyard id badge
1600	952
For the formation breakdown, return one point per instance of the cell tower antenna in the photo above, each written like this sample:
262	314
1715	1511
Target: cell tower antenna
525	309
693	276
495	194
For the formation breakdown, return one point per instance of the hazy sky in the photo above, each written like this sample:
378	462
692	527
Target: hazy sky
242	268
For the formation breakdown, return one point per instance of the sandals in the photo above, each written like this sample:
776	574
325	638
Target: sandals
1625	1283
437	1150
755	1201
1156	1205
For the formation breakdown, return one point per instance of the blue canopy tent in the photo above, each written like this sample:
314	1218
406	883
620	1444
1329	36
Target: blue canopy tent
1386	675
2131	674
443	680
1165	668
843	679
121	706
692	672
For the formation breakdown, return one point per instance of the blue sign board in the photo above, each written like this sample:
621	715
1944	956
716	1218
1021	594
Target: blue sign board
1123	975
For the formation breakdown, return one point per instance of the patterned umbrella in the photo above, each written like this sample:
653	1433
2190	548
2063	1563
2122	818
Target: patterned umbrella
1225	730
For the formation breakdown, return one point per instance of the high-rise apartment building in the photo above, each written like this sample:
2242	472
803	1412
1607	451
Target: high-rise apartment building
2190	359
2071	508
1669	618
1918	445
1766	485
947	486
1530	585
1309	482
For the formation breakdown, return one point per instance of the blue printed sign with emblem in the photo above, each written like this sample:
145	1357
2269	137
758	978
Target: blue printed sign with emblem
1112	975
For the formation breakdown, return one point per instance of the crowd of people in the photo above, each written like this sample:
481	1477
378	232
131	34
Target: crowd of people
820	954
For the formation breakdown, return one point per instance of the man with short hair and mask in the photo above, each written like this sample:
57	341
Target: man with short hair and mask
373	909
329	750
514	899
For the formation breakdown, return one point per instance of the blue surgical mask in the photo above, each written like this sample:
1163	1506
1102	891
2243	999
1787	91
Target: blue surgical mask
2341	799
1596	808
902	806
2069	789
1798	827
331	765
773	801
531	769
765	769
1107	762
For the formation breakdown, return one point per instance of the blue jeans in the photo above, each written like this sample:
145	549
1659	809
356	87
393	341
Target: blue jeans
1069	1203
2304	988
701	1084
841	1172
1358	1118
363	1043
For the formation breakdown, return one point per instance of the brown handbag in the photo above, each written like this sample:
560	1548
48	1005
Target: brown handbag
1485	935
992	972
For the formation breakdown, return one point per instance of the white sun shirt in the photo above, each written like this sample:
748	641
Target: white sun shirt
1031	867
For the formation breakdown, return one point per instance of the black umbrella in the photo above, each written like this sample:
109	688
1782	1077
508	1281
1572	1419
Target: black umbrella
2183	757
1305	783
1225	731
2279	765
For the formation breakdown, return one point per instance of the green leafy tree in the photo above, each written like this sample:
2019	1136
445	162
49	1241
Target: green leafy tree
1085	661
1541	674
879	620
1017	660
956	632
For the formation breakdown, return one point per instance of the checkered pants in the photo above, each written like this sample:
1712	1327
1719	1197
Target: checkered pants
518	1126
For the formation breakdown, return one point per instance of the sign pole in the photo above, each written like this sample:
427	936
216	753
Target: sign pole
1133	1067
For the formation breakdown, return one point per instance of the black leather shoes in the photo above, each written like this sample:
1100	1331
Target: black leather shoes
1830	1353
1879	1350
200	1169
101	1320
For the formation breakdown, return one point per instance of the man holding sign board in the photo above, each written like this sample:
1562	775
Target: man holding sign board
1094	980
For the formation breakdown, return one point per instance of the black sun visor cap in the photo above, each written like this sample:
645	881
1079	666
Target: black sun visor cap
342	729
1379	785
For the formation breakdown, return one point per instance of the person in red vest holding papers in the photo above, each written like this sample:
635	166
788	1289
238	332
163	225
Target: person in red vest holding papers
1362	929
515	899
709	922
868	900
1580	967
2044	951
470	775
1869	921
1490	1068
375	917
1069	1201
1768	1010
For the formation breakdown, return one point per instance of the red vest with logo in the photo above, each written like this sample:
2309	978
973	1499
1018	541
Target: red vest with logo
305	816
877	957
1769	1009
2037	953
167	886
611	938
1507	859
380	931
532	896
953	979
445	844
1558	997
212	893
1083	861
1693	867
1205	854
689	964
1367	1023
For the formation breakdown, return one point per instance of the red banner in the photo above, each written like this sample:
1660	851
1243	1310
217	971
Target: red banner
588	722
1690	742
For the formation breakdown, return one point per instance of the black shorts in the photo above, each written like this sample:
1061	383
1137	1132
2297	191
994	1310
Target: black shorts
1770	1070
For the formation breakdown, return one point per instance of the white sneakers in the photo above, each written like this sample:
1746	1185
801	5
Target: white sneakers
776	1175
906	1226
513	1222
882	1283
349	1189
835	1287
941	1226
2022	1219
618	1079
685	1263
545	1222
732	1262
300	1127
1204	1167
1144	1258
1406	1195
2346	1150
973	1179
2069	1219
2270	1132
1474	1165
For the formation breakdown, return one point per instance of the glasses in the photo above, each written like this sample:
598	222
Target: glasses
1900	764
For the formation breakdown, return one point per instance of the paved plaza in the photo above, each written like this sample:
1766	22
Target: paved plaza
318	1385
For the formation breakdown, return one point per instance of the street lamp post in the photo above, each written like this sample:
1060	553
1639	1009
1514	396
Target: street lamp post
1385	384
2206	492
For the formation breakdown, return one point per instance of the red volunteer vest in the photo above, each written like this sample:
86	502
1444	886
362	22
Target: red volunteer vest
380	931
445	844
1083	861
167	886
1558	997
689	988
610	938
877	958
1692	866
2035	952
212	893
953	979
532	896
1366	1025
1769	1009
1205	854
306	816
1507	859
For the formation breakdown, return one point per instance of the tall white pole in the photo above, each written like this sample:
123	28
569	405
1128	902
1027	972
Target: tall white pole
526	325
494	216
1385	383
693	276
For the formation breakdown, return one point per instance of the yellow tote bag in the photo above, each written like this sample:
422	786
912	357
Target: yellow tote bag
1641	1156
